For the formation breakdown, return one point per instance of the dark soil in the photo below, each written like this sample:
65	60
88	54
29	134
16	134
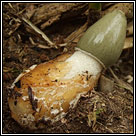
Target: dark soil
96	112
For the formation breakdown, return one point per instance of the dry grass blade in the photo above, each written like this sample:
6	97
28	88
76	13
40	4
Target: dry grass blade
43	46
6	69
109	130
38	45
121	83
39	31
36	29
11	6
92	117
16	27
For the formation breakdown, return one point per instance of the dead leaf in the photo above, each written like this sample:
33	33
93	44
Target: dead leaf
129	78
128	43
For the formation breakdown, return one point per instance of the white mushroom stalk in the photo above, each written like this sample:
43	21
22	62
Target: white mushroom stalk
47	91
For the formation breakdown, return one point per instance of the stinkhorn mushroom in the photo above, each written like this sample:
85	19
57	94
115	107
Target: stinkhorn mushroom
48	90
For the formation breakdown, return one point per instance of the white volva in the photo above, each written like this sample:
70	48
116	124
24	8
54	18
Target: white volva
56	86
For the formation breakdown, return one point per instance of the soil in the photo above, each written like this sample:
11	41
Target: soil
98	111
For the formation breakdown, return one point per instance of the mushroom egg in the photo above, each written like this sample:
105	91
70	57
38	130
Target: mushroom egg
48	90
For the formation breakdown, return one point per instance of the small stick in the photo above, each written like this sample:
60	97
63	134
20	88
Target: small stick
109	130
11	6
38	45
38	31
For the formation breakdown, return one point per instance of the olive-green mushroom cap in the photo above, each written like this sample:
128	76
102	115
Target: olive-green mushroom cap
105	39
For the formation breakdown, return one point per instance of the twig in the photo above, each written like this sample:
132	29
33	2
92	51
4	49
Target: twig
116	78
11	6
125	87
109	130
38	45
38	31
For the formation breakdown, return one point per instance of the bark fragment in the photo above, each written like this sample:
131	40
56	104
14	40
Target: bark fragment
52	12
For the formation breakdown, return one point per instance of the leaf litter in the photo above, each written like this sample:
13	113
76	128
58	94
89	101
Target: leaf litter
96	112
